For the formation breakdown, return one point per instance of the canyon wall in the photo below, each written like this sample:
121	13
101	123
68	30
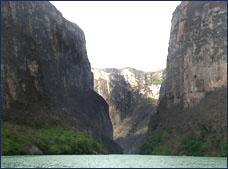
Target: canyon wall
193	99
131	95
122	88
46	74
197	59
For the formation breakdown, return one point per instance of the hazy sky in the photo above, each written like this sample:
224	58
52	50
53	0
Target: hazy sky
123	33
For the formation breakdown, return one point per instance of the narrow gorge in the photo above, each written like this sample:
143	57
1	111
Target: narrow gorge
191	117
132	97
53	102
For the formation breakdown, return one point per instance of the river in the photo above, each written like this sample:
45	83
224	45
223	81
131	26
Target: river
111	161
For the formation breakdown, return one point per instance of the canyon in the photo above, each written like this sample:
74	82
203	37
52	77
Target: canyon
132	96
47	83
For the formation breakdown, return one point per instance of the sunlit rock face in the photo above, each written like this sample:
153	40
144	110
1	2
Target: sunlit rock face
193	95
46	74
122	88
128	92
197	59
140	81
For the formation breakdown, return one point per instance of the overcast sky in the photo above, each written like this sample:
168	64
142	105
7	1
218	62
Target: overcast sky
123	33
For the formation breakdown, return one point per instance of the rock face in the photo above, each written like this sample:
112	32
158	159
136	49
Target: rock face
197	60
46	74
196	73
122	88
129	93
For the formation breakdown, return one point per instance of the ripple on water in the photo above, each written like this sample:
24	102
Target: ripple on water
111	161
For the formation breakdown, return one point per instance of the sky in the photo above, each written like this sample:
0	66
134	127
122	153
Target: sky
123	33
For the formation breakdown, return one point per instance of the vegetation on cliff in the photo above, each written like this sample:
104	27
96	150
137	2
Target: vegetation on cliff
156	81
131	131
132	97
152	144
193	95
163	143
193	132
52	140
46	76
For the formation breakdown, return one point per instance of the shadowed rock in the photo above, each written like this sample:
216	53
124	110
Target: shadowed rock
46	74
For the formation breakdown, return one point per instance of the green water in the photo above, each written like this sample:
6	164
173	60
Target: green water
111	161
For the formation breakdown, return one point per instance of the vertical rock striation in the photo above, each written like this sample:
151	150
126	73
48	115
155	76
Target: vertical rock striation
194	92
131	95
46	74
122	88
197	59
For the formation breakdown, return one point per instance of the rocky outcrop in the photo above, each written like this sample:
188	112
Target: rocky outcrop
122	88
197	60
196	72
131	96
46	74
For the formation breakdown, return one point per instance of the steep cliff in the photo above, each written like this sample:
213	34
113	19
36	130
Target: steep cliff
131	95
191	118
46	74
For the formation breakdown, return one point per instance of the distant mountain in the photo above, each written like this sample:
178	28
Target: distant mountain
131	95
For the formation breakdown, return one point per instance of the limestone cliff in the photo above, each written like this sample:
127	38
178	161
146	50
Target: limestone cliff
46	74
194	94
131	96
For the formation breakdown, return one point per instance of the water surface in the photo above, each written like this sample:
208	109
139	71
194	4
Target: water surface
111	161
